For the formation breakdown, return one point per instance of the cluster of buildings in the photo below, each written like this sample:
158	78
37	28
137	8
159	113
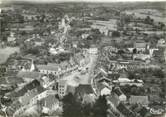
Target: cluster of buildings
53	63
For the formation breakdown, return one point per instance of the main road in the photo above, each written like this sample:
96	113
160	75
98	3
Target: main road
76	77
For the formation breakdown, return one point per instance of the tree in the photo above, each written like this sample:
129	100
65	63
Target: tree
100	107
134	51
148	20
87	110
71	107
158	73
134	90
115	34
143	112
121	52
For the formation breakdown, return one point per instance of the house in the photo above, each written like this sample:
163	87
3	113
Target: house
48	69
113	99
141	45
27	65
105	91
11	38
104	79
161	43
89	99
93	50
119	94
46	81
24	89
26	28
58	50
29	16
26	98
104	87
125	81
125	111
42	95
104	26
62	87
38	41
143	100
49	104
143	57
13	107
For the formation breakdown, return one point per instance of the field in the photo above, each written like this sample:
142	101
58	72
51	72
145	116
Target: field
6	52
154	14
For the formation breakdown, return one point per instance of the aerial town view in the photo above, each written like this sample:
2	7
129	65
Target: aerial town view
83	59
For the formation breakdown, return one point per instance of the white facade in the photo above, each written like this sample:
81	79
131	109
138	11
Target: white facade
105	91
62	86
93	50
122	98
42	96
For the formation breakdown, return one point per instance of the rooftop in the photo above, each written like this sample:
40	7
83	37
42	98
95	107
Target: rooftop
28	74
30	94
48	67
140	44
49	101
139	100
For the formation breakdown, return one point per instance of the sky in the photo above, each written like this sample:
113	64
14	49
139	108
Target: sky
47	1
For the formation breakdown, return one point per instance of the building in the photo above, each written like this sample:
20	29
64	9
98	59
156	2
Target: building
55	51
42	95
119	94
46	82
105	91
105	27
13	107
125	111
161	43
143	100
93	50
143	57
49	104
141	45
125	81
26	98
62	87
11	38
48	69
24	89
89	99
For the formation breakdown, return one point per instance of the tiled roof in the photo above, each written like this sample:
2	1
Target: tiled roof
30	94
125	111
114	100
139	100
62	82
49	101
89	98
23	90
13	107
140	44
48	67
118	91
27	74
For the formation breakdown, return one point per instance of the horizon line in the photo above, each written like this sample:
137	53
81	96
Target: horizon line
76	1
